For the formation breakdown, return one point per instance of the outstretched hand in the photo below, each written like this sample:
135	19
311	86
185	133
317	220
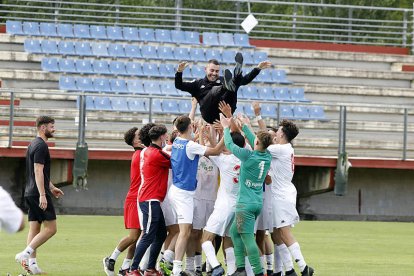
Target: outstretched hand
256	108
225	108
264	65
225	122
182	65
243	119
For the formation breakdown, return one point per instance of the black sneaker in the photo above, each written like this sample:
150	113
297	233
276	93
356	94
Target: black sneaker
239	63
198	272
228	81
239	273
109	266
308	271
276	274
122	272
291	273
217	271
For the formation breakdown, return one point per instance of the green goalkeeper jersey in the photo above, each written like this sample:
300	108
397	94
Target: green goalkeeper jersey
254	167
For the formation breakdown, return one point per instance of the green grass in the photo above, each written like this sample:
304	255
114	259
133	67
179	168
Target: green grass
331	247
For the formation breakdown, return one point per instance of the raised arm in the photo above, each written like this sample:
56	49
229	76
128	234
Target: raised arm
241	153
249	77
193	109
190	87
257	111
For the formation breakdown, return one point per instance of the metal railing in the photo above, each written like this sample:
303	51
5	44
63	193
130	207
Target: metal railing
277	19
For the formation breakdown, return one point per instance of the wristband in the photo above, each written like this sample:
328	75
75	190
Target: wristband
259	117
43	195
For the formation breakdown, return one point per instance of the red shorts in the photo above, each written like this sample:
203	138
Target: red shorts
131	215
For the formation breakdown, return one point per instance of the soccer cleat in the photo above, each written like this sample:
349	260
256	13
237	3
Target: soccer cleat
35	270
122	272
183	273
198	272
152	272
269	272
217	271
239	273
277	274
239	63
136	272
308	271
23	259
166	267
291	273
109	266
228	81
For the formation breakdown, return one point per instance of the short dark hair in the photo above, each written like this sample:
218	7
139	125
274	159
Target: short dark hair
173	135
264	138
129	136
156	132
213	61
143	134
270	128
238	139
290	129
44	120
182	123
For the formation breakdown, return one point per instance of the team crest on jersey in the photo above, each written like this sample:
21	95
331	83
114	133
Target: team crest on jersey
203	86
218	81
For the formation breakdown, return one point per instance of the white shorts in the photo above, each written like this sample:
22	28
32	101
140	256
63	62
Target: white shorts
284	213
264	221
202	211
182	203
11	216
220	221
169	215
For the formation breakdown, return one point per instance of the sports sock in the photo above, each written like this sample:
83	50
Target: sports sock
126	264
208	266
177	267
249	269
115	254
32	261
28	250
143	265
230	260
169	255
277	260
189	263
269	262
198	260
285	256
297	255
208	249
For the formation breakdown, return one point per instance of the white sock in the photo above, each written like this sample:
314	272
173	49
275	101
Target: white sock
269	262
198	261
277	260
143	265
208	266
115	254
177	267
297	255
230	260
285	256
28	250
263	262
189	263
248	266
208	249
32	261
126	264
169	255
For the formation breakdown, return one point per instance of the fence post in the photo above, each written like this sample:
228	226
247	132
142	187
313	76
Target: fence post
295	13
150	110
405	25
405	134
350	11
342	130
11	119
178	7
82	120
117	12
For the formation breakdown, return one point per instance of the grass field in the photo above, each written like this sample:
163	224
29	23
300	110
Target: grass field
331	247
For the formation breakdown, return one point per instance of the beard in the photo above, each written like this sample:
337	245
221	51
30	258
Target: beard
48	134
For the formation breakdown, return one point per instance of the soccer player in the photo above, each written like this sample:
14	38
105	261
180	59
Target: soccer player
155	164
38	195
11	217
254	167
138	139
184	163
212	89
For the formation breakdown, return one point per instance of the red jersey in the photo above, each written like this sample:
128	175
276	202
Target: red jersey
155	165
135	176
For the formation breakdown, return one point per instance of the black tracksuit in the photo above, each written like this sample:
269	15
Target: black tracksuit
209	94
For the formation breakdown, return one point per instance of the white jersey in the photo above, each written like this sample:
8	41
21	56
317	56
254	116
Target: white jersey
229	166
10	216
207	180
281	171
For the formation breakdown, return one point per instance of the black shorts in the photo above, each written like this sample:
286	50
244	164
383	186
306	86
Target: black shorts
37	214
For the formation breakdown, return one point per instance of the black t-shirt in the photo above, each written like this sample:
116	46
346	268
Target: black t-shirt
37	152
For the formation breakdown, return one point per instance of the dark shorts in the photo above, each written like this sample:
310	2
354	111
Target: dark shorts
37	214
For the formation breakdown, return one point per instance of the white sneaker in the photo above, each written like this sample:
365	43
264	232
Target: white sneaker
35	270
23	259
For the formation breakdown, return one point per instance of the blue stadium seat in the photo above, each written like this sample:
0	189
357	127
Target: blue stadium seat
248	110
83	48
228	56
132	51
197	54
98	32
119	104
198	72
102	103
181	54
279	76
146	34
116	50
101	67
156	106
266	93
242	40
184	106
117	68
81	31
50	64
84	84
166	70
192	38
152	87
210	39
65	30
149	52
84	66
165	53
102	85
135	87
286	112
150	70
168	88
67	83
49	47
170	106
67	66
248	58
259	56
226	39
297	94
31	28
282	94
138	105
100	49
163	36
118	86
114	33
130	34
32	46
187	73
269	110
14	27
48	29
240	92
264	76
250	92
178	37
134	69
300	112
89	103
66	48
213	54
316	113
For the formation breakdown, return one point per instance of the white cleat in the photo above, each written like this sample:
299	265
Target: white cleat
35	270
23	259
